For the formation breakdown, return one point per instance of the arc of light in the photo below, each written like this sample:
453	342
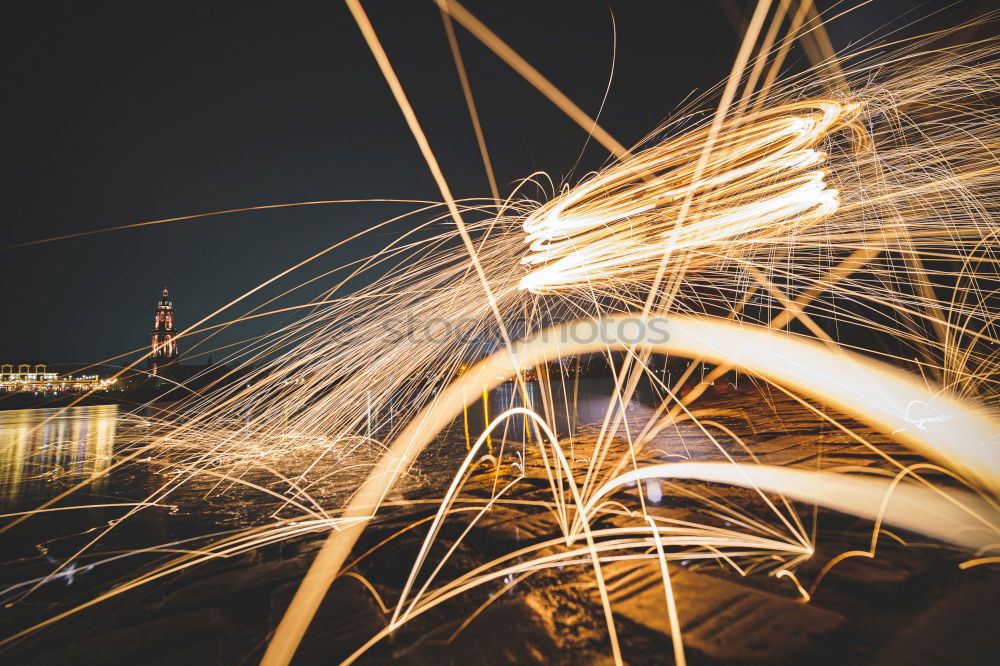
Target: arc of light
873	392
663	304
375	46
779	58
532	75
763	54
675	624
856	260
819	49
195	216
756	22
470	102
947	518
453	489
310	594
194	327
478	577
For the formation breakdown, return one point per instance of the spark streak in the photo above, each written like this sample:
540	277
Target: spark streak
868	204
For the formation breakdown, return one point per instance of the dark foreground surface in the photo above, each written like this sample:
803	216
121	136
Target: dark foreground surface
909	605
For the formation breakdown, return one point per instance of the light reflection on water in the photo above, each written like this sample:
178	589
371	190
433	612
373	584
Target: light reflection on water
39	446
44	451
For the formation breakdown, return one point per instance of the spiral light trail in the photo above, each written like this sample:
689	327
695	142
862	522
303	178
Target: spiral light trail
765	181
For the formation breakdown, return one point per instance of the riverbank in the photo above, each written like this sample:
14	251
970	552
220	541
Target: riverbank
910	604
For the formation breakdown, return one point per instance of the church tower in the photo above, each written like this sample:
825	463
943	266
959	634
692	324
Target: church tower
164	349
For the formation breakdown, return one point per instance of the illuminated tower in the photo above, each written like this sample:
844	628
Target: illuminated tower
164	349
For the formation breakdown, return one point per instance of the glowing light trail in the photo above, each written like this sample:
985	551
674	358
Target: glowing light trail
877	394
764	181
870	203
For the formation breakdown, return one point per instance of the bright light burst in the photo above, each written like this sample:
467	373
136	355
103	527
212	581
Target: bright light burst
766	181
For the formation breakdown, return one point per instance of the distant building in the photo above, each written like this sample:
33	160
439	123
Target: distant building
165	367
164	350
23	372
35	377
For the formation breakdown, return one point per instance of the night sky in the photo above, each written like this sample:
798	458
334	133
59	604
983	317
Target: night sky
116	113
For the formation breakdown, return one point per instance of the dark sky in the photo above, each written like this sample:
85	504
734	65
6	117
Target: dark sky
121	112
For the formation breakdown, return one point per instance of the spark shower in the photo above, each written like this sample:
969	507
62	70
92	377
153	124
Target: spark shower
759	219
